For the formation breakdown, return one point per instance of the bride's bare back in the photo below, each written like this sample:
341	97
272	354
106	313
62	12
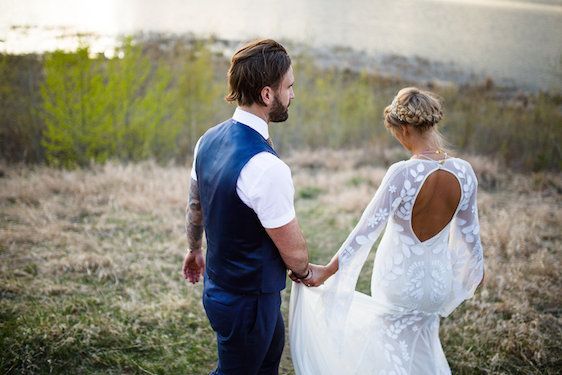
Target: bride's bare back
435	205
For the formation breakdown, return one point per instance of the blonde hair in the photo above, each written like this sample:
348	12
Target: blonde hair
420	109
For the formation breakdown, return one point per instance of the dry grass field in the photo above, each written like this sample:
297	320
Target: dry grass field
90	266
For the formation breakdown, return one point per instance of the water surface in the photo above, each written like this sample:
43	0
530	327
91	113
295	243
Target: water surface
520	41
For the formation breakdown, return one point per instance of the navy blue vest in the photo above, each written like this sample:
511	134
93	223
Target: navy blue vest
240	254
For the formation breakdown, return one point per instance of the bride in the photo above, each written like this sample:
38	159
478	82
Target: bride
429	260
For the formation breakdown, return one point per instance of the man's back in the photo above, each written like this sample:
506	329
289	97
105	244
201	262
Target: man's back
240	255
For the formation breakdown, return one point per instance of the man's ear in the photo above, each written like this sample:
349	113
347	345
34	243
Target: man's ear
267	95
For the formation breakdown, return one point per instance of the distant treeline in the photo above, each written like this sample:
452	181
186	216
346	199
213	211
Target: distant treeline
157	96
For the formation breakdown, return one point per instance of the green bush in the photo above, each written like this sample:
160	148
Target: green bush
158	96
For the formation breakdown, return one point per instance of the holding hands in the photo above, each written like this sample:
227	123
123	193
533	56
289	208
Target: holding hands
315	276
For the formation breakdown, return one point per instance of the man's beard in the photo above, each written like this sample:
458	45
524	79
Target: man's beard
278	112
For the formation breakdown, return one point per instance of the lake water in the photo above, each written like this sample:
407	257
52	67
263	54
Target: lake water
520	41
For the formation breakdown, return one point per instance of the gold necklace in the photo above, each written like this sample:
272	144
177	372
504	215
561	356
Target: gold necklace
436	152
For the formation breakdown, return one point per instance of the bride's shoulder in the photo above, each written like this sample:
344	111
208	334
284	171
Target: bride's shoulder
402	165
461	164
463	168
396	169
399	165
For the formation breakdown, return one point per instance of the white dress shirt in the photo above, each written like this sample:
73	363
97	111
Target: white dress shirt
265	183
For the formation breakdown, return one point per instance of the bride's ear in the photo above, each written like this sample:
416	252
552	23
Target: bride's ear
401	133
405	131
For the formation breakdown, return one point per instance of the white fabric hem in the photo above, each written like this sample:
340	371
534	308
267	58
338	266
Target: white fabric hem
279	221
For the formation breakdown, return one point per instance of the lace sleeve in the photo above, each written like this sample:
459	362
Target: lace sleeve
464	243
355	249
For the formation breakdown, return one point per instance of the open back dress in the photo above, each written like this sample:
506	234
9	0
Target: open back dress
336	330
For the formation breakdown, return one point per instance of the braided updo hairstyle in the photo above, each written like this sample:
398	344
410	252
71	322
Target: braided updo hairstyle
420	109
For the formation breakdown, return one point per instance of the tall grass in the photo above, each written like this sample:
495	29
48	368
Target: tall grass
90	266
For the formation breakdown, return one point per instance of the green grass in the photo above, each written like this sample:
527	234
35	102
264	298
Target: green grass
90	263
92	313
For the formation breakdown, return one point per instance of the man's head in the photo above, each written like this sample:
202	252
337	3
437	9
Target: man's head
260	74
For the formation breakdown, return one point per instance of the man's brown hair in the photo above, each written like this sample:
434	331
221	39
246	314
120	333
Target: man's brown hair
256	65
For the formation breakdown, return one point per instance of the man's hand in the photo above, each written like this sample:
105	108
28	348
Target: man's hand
193	266
293	276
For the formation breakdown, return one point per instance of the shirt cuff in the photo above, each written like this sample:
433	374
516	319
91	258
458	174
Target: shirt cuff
279	221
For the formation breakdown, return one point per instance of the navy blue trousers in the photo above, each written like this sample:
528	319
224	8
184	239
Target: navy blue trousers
249	328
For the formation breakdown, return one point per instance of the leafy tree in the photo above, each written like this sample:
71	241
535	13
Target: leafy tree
73	110
96	109
138	102
197	96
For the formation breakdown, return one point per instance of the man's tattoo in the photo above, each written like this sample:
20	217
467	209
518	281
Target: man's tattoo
194	218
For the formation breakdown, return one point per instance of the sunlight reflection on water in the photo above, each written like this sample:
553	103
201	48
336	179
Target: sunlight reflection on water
517	40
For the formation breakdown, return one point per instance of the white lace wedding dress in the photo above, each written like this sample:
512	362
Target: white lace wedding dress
337	330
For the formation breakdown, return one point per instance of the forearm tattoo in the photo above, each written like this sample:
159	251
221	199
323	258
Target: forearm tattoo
194	218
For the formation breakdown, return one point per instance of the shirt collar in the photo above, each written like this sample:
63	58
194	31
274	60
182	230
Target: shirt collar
251	121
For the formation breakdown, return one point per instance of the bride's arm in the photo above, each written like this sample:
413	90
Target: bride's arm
333	266
368	228
465	247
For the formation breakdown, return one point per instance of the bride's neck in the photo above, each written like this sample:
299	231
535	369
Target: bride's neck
422	146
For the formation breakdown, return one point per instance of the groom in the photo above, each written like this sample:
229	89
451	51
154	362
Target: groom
241	195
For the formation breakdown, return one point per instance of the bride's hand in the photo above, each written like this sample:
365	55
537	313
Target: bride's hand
318	274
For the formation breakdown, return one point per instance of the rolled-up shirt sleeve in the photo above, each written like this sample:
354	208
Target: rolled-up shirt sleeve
268	189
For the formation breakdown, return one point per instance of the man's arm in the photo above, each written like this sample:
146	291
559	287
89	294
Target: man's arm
194	218
194	262
290	242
